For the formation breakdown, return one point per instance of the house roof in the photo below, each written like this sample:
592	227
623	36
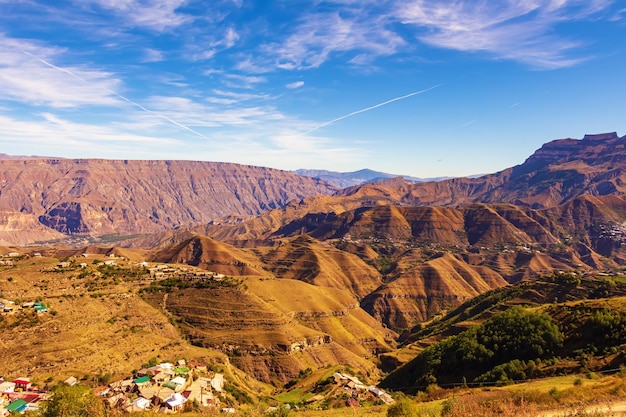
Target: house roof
71	380
175	400
142	380
179	380
171	385
17	405
22	381
141	402
164	393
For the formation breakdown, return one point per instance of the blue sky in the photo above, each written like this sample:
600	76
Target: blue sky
413	87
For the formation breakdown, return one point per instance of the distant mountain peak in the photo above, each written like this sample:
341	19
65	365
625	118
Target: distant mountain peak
362	176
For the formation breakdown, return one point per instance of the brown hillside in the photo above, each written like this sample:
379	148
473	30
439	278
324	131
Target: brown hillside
206	253
89	196
560	171
274	328
425	290
309	260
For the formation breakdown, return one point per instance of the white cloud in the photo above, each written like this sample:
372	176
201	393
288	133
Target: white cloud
521	30
53	135
152	55
319	37
157	15
231	38
240	96
25	77
296	84
242	81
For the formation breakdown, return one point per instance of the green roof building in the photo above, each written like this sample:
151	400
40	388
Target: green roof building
17	406
142	380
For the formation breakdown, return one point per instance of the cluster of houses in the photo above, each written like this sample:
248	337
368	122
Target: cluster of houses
7	258
18	396
9	307
168	271
166	388
358	391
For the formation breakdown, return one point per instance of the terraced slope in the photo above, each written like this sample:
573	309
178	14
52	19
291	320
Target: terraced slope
273	328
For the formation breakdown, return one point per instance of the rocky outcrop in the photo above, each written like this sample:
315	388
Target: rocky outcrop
558	172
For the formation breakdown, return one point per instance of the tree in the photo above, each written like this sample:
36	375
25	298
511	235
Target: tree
72	401
403	408
519	334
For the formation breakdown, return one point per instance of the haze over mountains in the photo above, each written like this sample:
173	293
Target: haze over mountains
348	179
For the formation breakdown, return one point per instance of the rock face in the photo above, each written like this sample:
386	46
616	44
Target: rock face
76	196
558	172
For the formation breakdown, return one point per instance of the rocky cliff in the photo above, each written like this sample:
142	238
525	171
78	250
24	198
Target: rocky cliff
87	196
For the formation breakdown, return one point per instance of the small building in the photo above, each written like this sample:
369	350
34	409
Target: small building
7	387
71	381
183	370
40	308
124	385
143	381
175	402
148	392
170	385
217	383
17	406
163	394
198	366
22	383
140	404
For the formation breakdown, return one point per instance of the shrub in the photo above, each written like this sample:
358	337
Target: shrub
72	401
403	408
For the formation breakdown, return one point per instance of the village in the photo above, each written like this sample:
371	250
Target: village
159	387
164	388
169	388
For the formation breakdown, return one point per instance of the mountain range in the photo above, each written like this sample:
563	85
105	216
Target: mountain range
327	275
349	179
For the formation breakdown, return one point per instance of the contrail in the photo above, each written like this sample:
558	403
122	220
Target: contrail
370	108
174	122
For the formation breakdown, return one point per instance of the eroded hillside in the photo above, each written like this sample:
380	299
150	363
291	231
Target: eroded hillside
56	197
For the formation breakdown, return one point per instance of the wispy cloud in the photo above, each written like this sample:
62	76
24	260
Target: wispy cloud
157	15
240	81
25	77
60	136
520	30
119	96
318	37
296	84
152	55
